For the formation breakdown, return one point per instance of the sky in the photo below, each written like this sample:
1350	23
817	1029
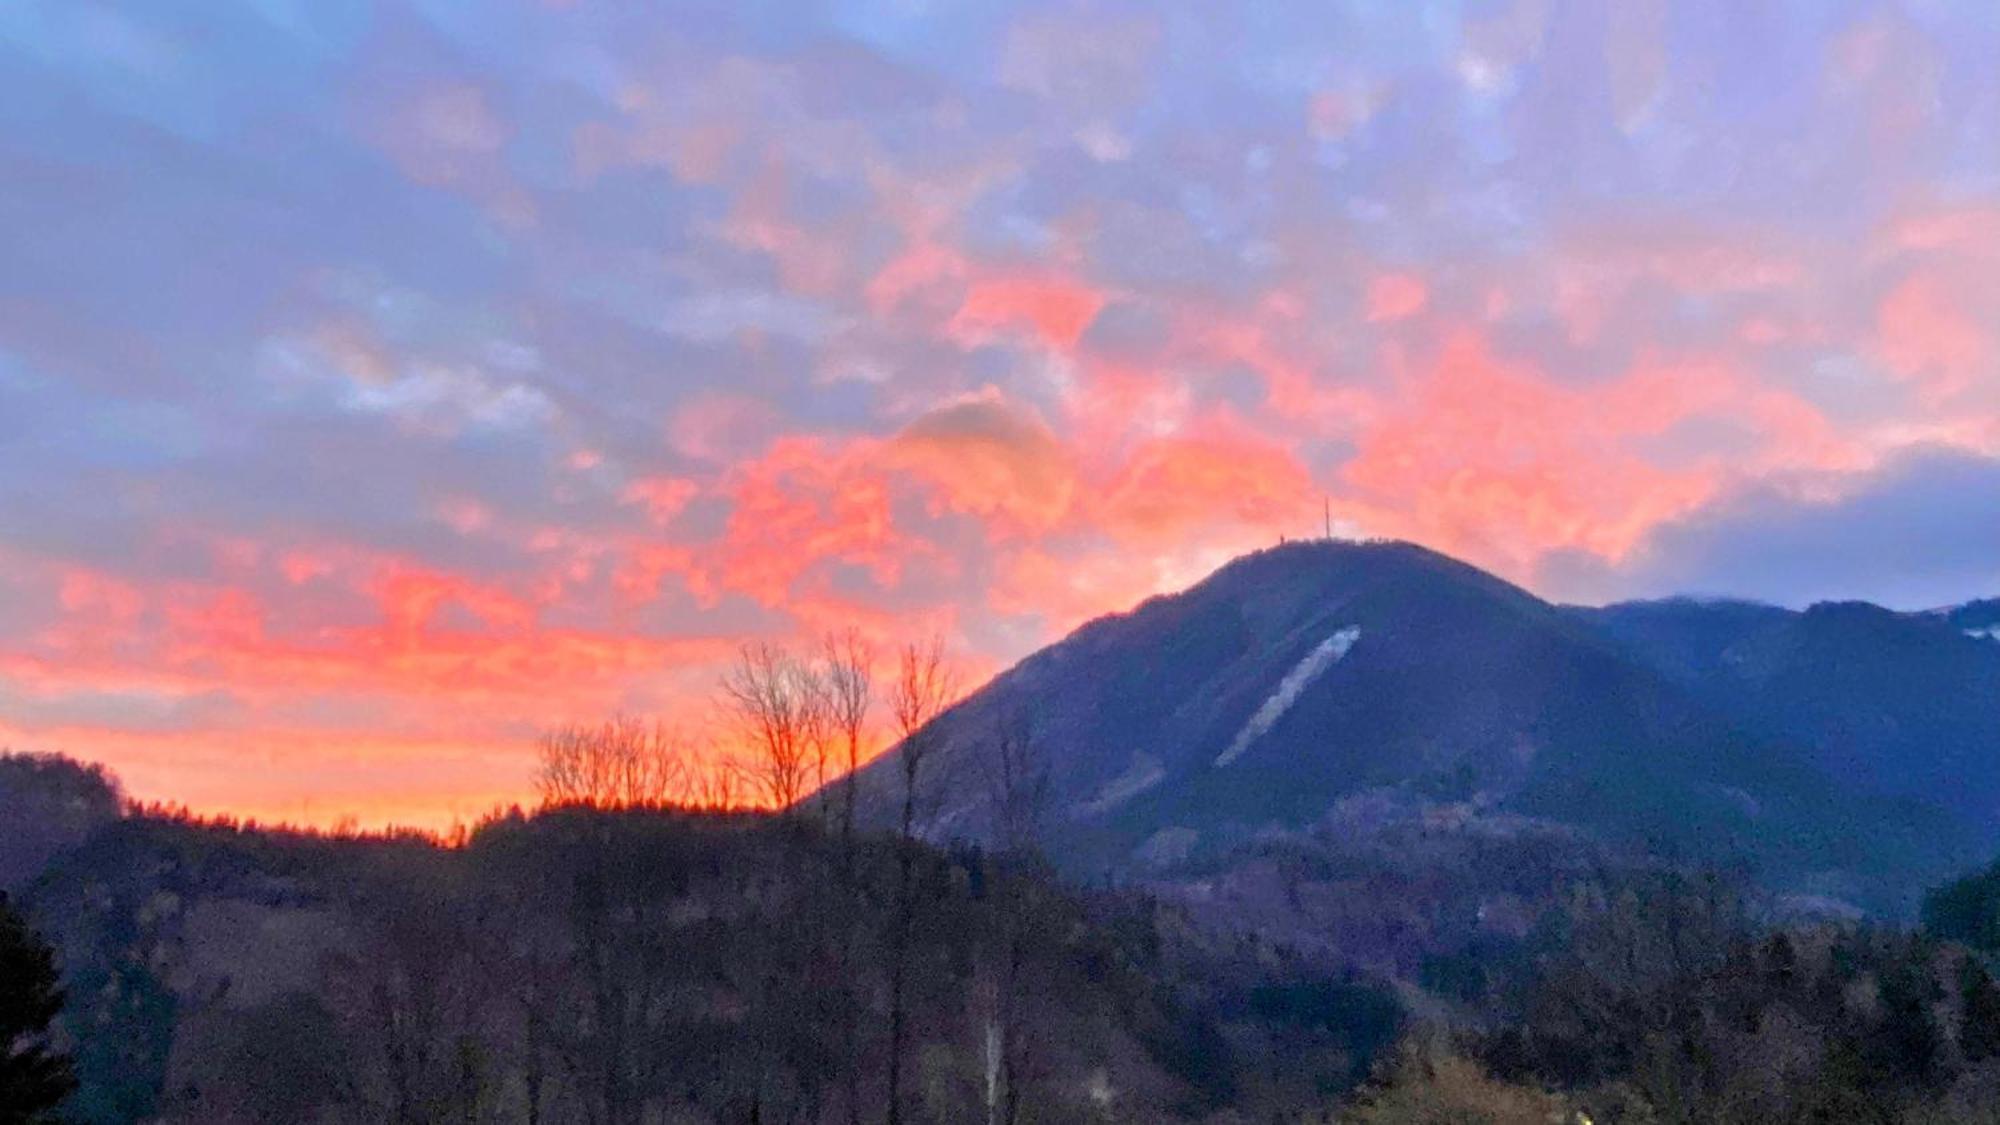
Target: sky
382	383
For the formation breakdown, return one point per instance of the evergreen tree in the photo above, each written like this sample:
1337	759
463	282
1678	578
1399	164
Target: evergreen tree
33	1077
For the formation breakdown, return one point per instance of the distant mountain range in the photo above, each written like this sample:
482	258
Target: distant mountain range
1338	695
1903	704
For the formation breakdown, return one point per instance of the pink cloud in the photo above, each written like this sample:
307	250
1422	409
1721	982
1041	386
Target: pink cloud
1927	338
662	497
1055	309
722	426
1395	296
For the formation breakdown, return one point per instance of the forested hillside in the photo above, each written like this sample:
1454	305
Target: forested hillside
606	966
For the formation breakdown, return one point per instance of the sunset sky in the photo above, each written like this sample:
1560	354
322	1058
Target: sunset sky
380	383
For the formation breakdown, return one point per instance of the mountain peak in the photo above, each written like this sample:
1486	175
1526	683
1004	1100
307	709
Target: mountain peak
1305	576
1318	558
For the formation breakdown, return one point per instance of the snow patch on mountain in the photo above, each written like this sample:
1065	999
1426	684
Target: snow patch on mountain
1296	681
1989	633
1144	773
1167	847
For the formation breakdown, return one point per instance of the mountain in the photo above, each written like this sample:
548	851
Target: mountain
1334	691
1899	703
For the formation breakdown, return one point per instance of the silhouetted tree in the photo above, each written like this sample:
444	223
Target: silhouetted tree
848	666
622	762
924	686
780	708
418	997
1016	773
1017	784
34	1077
848	674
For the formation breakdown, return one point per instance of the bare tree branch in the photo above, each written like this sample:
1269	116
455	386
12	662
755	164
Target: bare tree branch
1017	784
779	707
848	673
925	685
621	762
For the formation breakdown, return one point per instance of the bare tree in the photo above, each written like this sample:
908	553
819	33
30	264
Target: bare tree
415	998
784	708
817	730
847	666
848	676
924	686
716	788
621	762
1017	782
777	703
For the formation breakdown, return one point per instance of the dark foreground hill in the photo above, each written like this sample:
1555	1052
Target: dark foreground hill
1328	696
595	966
585	966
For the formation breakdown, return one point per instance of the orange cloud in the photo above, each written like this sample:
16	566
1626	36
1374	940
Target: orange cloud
1174	489
985	458
804	503
411	598
1066	589
1494	462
